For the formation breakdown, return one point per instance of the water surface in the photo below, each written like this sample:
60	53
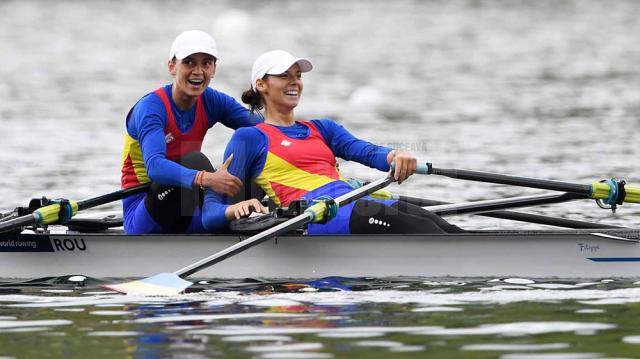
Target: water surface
327	318
548	89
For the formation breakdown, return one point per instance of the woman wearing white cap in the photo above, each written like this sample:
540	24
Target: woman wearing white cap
164	134
297	159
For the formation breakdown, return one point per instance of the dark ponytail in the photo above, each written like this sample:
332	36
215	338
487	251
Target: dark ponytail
253	99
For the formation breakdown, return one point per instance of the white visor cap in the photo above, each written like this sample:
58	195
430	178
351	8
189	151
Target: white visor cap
274	63
192	42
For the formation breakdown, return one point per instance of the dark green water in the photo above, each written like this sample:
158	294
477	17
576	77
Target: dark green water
332	318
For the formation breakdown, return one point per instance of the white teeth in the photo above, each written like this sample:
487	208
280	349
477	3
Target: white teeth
291	93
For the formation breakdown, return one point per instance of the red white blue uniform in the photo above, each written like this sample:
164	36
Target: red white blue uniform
295	166
177	142
157	133
295	162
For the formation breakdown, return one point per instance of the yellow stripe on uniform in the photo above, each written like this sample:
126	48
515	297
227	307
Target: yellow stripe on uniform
132	150
279	171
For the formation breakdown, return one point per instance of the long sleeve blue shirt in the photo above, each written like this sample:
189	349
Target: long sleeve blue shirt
249	147
148	119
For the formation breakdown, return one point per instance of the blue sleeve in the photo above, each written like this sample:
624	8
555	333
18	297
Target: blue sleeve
146	124
225	109
347	146
249	148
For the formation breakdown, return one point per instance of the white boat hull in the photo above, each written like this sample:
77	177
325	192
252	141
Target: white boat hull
539	254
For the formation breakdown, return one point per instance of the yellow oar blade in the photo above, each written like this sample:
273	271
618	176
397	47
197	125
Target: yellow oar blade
163	284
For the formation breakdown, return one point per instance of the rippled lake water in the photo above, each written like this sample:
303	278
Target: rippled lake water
547	89
327	318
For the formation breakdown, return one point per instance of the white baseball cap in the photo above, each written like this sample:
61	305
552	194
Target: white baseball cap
274	63
192	42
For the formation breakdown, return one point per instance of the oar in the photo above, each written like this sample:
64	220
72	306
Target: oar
493	209
503	203
51	213
173	283
8	215
613	192
513	216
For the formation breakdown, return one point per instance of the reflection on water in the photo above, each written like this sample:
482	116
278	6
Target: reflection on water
355	316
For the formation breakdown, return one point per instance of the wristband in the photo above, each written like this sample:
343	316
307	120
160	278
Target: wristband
199	178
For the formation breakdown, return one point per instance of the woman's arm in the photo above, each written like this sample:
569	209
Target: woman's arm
146	124
247	149
347	146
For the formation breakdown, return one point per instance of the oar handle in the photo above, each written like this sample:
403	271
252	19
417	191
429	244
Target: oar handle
424	169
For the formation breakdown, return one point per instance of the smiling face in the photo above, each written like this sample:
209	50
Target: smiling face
282	91
192	76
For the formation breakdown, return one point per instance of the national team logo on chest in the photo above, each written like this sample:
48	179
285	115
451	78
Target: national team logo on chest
286	143
169	137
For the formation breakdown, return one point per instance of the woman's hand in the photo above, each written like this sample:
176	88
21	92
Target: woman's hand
406	164
244	209
221	181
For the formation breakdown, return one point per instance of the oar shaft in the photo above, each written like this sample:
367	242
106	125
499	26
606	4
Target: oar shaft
363	191
503	203
611	191
242	246
515	216
9	225
280	229
507	180
113	196
548	221
9	215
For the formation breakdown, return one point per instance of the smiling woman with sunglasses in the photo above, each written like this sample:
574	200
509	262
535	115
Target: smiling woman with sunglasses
293	160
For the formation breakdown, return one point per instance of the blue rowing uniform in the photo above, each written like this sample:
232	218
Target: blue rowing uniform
146	124
254	156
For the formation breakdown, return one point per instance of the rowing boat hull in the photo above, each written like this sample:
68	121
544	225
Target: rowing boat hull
535	254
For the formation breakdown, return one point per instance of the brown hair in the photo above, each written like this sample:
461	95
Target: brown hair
253	99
